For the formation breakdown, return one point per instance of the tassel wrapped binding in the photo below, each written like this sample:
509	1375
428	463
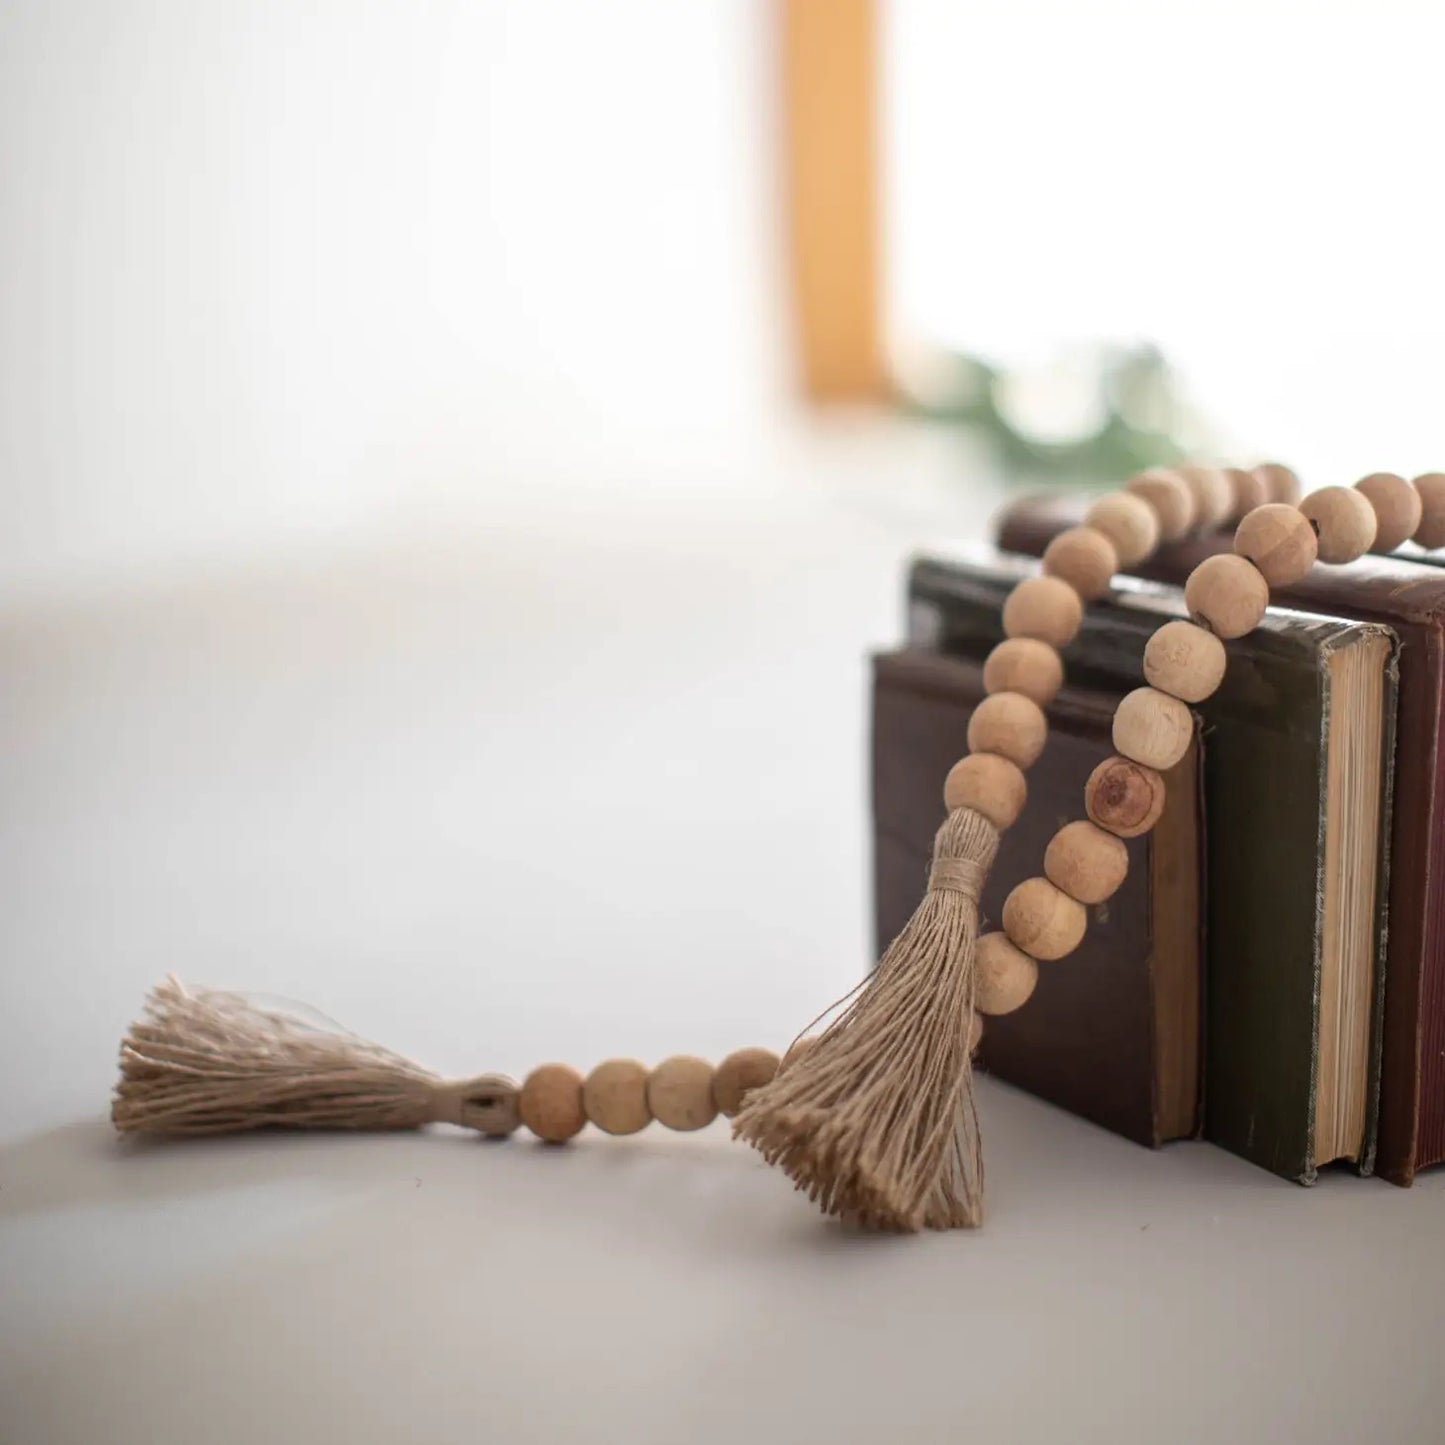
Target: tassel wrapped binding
877	1120
207	1062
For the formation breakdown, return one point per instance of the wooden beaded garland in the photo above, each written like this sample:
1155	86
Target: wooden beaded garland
243	1068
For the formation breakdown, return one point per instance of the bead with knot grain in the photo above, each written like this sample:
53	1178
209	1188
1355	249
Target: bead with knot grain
1004	976
1124	797
989	784
1026	665
1044	608
1397	507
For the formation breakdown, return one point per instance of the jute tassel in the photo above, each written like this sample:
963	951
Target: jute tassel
877	1120
207	1062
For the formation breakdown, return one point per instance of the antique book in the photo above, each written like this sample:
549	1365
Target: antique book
1408	597
1298	743
1115	1035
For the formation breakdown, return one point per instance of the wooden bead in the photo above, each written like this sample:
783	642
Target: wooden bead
1249	490
1226	594
615	1096
1281	484
551	1102
490	1106
1086	862
1152	728
1011	725
1043	920
1397	507
1129	522
738	1074
1431	531
1212	493
1170	499
1343	522
1185	661
1084	558
679	1093
975	1028
1026	665
1124	797
1004	976
988	784
1280	542
1044	608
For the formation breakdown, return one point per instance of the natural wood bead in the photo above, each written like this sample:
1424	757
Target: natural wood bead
1431	531
615	1096
1280	541
989	784
1169	497
975	1023
1026	665
488	1104
1397	508
1086	862
1043	920
1185	661
1084	558
1152	728
551	1102
1124	797
679	1093
1226	594
1011	725
1129	522
1249	490
1003	975
1213	495
1045	608
1281	483
739	1073
1343	522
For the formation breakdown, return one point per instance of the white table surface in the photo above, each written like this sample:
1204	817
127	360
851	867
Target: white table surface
585	781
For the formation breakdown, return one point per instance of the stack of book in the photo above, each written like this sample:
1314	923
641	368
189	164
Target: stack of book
1272	973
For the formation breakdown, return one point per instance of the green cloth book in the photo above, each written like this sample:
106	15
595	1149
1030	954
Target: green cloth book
1298	755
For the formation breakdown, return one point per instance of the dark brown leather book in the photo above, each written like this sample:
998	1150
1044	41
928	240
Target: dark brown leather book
1297	747
1115	1035
1408	597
